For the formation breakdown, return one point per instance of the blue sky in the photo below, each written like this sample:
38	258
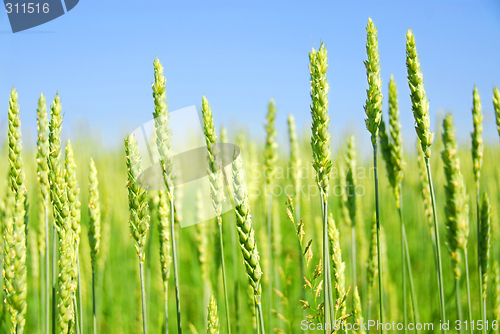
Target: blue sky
240	54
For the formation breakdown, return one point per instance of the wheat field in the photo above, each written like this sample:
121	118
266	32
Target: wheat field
88	248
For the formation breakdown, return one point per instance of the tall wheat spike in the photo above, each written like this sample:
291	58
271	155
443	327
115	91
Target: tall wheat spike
216	179
246	233
496	289
14	251
420	109
456	208
373	110
322	162
270	159
477	162
163	138
43	182
75	215
165	247
94	231
139	212
202	247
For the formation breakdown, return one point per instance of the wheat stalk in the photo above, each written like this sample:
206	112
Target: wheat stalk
420	108
373	110
14	268
163	138
270	159
202	246
75	215
456	208
246	233
165	247
43	182
484	249
94	230
338	266
139	215
322	163
217	187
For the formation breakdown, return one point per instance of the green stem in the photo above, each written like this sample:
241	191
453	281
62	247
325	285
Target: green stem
224	282
353	256
457	299
143	298
42	294
174	260
408	260
261	318
54	275
469	306
412	286
377	216
403	270
47	270
271	270
94	318
436	236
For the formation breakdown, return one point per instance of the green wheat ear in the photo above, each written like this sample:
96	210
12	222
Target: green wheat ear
164	231
457	207
214	162
484	243
94	213
244	225
213	317
320	138
358	314
72	190
271	149
14	272
338	265
420	104
138	198
373	106
477	140
42	168
496	106
350	178
424	185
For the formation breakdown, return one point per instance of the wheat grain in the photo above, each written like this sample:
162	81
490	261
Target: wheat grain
496	106
484	242
358	314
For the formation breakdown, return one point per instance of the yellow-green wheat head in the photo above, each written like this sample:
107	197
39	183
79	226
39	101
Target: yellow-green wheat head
214	162
373	105
320	137
137	198
420	104
271	149
476	135
163	213
162	129
14	267
94	213
244	225
456	207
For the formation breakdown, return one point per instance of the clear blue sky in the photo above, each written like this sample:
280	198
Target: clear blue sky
241	53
